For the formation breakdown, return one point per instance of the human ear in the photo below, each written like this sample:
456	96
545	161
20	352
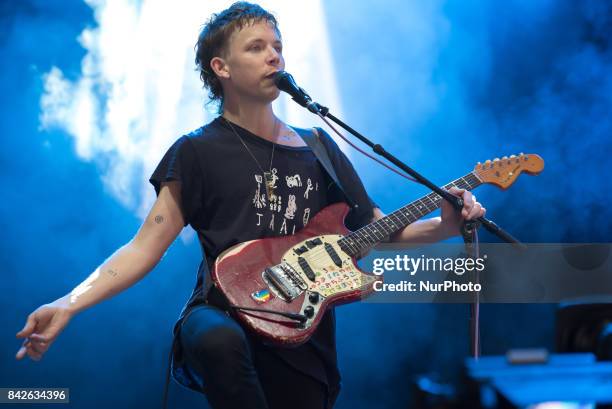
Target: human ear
219	67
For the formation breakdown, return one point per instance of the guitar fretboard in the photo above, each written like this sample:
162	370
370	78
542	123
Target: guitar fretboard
368	236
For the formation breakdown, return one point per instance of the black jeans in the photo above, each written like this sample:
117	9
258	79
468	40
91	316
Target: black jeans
238	372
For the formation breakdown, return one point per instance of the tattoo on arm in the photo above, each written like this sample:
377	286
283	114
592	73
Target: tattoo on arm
111	272
159	219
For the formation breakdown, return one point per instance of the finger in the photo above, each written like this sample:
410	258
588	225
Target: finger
35	356
475	212
31	352
26	347
29	327
468	199
37	347
469	203
20	353
39	338
472	212
23	349
456	191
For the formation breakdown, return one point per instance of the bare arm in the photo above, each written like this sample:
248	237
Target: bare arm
124	268
135	259
421	231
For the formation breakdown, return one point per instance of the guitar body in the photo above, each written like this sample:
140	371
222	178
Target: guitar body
242	273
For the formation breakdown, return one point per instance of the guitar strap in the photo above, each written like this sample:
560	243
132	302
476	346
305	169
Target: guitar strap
313	140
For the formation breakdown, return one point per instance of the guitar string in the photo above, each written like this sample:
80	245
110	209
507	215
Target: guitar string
436	200
462	183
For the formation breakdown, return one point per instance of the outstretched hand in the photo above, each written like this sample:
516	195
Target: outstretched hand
42	328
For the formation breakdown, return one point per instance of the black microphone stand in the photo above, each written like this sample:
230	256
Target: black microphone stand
470	238
468	229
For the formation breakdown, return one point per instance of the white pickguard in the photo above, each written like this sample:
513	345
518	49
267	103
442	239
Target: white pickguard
330	279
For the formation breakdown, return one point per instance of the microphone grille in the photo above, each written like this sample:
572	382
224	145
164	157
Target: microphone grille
283	80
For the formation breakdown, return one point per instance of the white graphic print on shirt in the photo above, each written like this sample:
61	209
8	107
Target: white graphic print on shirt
293	181
308	188
260	199
306	216
283	228
291	208
276	203
271	225
290	212
274	178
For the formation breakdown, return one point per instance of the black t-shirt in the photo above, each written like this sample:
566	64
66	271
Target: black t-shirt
224	199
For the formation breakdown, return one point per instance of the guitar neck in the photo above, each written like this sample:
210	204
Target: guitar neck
359	241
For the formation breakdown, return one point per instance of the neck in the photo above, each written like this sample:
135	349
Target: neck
359	241
256	118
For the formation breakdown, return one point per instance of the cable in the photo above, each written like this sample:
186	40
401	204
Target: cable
402	174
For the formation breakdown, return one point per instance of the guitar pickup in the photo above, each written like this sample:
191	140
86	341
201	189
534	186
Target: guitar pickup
332	253
300	250
306	268
282	282
314	242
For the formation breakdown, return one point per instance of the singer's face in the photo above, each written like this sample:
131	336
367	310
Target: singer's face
254	55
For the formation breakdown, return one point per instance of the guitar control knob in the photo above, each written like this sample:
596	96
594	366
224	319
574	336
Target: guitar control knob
309	311
313	298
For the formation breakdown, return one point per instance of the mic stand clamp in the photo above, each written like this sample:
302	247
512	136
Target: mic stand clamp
468	228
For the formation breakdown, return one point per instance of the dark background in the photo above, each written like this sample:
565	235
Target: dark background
506	77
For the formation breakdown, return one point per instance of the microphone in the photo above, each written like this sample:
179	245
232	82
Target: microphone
285	82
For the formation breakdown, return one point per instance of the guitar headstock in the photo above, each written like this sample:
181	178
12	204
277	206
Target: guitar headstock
503	172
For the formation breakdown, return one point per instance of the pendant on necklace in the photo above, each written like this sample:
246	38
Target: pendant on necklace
270	185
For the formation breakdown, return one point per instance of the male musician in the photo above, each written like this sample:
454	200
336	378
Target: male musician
245	175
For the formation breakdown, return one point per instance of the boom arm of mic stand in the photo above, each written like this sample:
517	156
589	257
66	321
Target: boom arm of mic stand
501	233
454	200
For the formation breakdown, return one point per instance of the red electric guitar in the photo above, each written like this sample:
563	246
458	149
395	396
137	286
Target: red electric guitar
280	287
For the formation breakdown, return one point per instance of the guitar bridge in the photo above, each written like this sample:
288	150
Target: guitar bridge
284	281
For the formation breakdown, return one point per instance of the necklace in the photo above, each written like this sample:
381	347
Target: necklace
269	176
